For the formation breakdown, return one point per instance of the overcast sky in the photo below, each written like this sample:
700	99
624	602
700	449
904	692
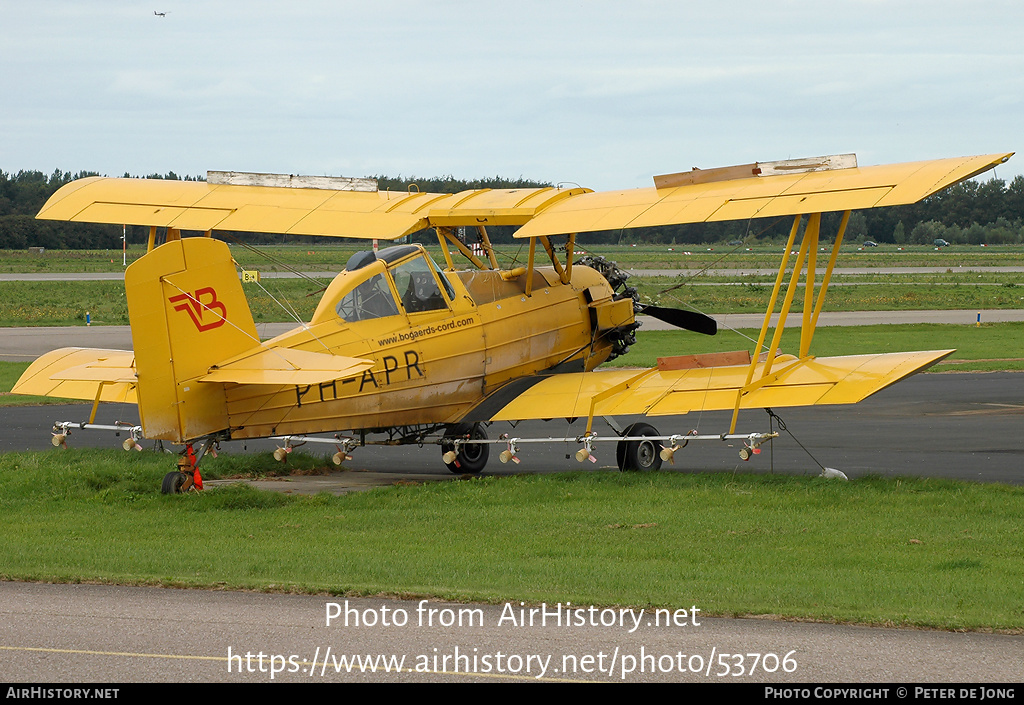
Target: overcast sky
604	94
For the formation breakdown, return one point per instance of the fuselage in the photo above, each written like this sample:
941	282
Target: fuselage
442	343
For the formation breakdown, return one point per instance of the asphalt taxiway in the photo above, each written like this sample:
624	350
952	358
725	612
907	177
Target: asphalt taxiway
955	426
963	426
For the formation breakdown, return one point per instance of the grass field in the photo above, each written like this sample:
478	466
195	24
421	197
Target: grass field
47	303
332	256
992	346
25	303
895	552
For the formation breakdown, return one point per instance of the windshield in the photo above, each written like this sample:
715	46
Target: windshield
415	282
371	299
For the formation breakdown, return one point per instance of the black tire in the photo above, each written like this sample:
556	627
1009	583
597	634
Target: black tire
639	455
173	482
472	457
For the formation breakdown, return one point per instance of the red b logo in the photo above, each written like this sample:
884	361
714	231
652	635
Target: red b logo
196	308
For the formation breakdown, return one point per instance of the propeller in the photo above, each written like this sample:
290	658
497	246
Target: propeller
616	278
688	320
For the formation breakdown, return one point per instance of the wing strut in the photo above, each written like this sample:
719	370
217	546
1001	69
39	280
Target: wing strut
444	237
812	303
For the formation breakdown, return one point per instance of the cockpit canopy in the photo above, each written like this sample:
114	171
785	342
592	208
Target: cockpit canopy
378	284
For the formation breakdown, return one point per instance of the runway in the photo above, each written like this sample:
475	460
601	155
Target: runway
110	634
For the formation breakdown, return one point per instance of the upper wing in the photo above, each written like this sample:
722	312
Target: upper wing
655	392
723	194
196	205
754	196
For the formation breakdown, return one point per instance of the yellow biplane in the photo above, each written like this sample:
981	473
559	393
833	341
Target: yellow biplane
401	347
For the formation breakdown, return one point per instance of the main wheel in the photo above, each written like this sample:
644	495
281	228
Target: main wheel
471	457
173	482
638	455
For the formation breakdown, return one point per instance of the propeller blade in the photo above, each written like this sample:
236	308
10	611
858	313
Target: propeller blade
688	320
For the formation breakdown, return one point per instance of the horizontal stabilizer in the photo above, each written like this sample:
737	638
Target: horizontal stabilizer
284	366
792	382
77	373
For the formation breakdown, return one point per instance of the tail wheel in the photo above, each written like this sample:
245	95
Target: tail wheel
174	483
470	457
638	455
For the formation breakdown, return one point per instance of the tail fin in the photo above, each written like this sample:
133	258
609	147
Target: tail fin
187	313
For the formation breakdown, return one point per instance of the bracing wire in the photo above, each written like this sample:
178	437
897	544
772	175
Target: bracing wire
279	262
706	267
226	320
782	427
286	306
711	265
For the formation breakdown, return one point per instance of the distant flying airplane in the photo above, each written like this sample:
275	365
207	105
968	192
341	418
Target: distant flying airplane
159	14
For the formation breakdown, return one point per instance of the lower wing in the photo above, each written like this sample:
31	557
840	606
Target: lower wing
656	392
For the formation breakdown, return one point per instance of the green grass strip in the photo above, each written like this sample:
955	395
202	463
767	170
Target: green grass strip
991	346
309	256
52	303
920	552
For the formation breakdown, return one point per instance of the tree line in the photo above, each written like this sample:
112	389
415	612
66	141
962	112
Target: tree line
22	195
972	212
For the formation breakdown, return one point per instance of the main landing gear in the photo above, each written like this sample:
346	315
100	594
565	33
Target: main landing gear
634	453
465	458
638	454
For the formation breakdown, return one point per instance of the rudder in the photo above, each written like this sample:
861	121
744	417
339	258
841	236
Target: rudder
187	312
